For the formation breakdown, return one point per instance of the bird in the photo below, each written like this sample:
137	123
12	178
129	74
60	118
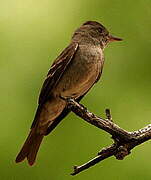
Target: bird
71	75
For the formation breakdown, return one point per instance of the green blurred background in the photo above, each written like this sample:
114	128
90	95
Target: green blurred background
32	34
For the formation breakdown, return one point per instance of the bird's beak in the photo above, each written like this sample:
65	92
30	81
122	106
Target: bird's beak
112	38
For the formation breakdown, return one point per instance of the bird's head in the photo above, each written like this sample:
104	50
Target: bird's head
97	32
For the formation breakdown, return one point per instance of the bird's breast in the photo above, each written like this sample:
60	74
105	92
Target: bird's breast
82	72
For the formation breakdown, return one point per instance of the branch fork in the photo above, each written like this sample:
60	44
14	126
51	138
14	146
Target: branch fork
123	141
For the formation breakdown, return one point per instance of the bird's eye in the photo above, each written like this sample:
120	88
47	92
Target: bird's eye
100	30
107	34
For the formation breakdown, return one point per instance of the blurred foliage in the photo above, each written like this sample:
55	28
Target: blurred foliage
32	34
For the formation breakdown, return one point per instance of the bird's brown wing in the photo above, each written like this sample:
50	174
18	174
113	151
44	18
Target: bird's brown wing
56	71
54	75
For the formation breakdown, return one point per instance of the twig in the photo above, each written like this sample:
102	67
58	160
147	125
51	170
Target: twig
124	141
108	114
109	151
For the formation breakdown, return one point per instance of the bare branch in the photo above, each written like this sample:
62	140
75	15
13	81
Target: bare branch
124	141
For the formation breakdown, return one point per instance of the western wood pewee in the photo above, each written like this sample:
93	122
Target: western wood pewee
72	74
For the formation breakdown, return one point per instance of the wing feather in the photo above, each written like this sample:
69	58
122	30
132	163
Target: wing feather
54	74
56	71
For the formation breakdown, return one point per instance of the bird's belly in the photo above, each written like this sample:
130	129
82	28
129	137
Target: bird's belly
79	76
79	85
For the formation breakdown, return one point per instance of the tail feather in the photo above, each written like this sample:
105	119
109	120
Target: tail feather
30	147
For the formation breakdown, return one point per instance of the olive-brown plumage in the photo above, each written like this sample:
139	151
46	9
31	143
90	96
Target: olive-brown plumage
72	74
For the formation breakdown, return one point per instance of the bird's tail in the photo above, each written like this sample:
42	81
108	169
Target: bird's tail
30	147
